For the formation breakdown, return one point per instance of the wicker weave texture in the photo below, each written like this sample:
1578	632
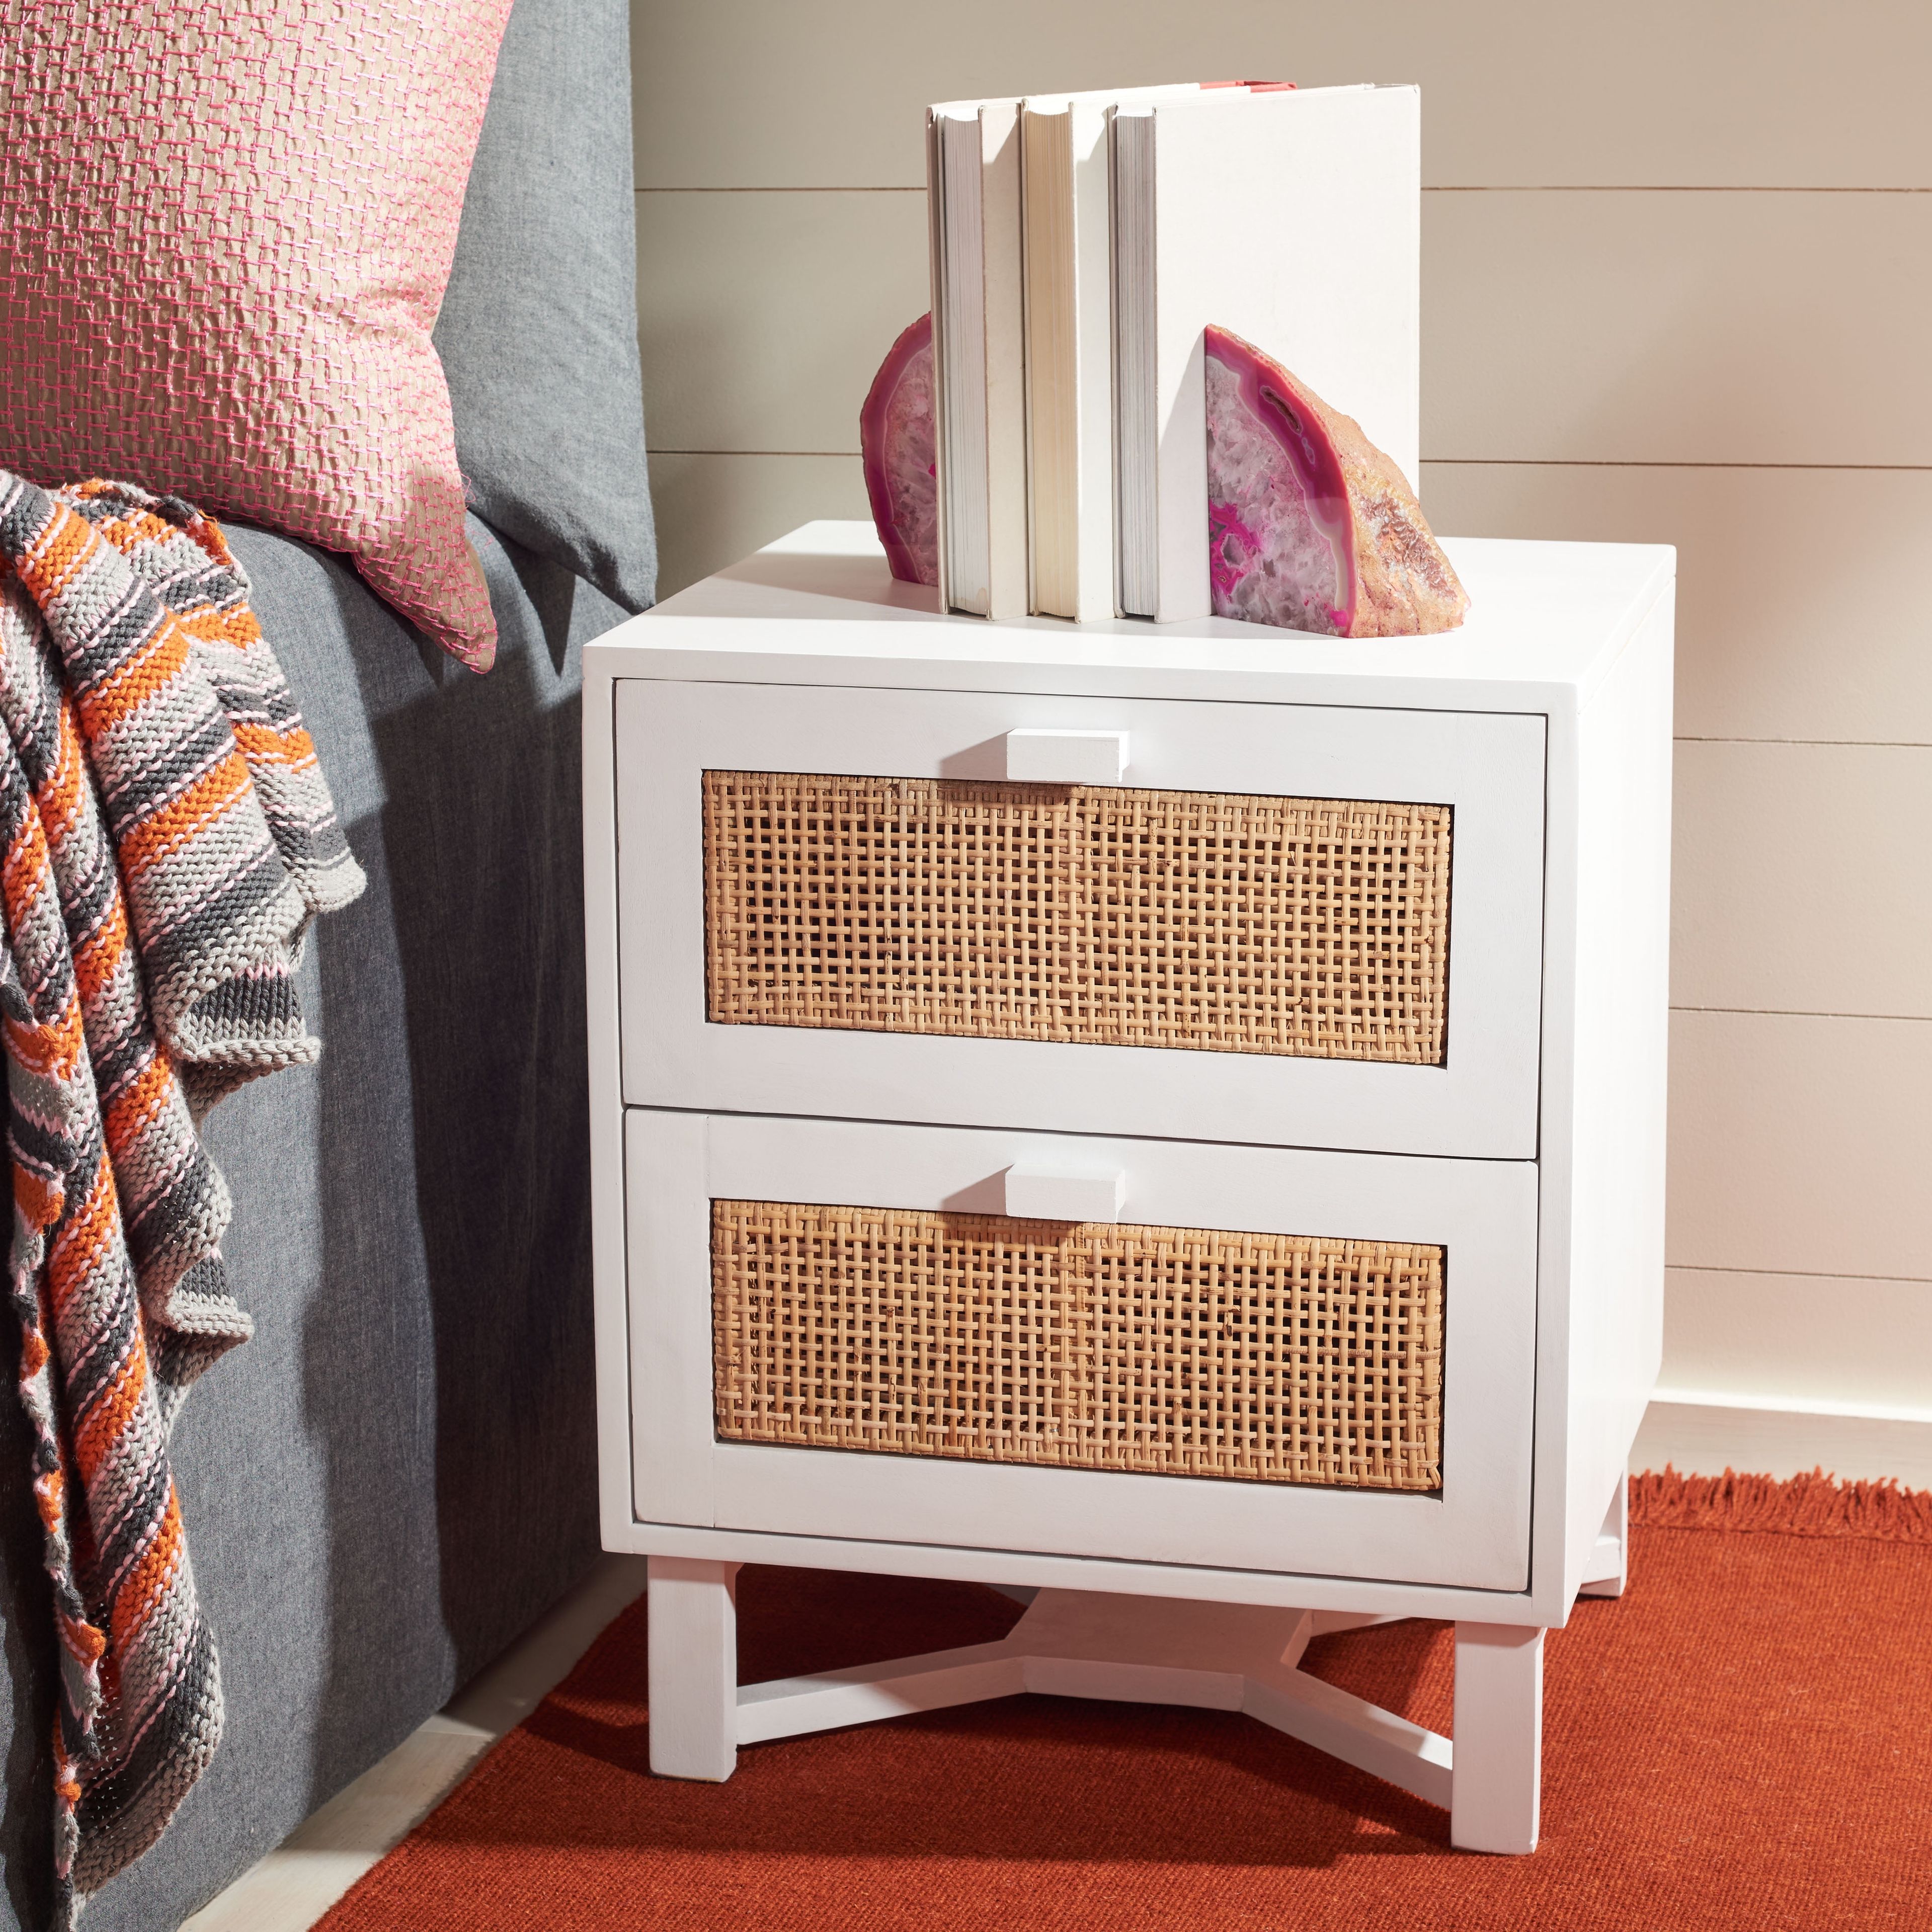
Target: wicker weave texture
1164	1351
1097	915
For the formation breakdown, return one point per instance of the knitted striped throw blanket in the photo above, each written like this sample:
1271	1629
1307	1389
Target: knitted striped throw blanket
166	836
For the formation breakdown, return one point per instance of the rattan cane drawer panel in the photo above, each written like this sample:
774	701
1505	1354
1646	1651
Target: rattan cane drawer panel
1166	1351
1097	915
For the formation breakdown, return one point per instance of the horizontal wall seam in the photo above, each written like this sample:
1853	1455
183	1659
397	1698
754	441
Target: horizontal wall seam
1826	744
1439	188
1785	1409
1469	462
920	190
1809	1013
1661	463
1797	1274
1657	187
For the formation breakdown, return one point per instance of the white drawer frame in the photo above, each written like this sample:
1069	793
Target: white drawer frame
1488	766
1475	1533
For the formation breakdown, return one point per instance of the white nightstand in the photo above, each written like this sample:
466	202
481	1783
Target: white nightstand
1171	1116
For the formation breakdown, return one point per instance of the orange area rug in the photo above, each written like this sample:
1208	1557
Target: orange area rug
1742	1743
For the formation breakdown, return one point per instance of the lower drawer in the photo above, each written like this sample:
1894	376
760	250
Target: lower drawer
1155	1351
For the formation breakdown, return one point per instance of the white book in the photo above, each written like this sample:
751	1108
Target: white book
1293	219
1067	249
973	181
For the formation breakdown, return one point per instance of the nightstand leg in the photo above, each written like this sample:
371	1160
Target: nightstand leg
1497	1746
1609	1572
693	1669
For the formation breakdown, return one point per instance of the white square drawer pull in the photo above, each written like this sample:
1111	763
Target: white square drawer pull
1066	757
1056	1194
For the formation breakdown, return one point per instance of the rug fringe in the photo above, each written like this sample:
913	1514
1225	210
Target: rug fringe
1813	1505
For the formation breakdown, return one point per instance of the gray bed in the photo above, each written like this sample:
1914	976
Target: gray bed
397	1476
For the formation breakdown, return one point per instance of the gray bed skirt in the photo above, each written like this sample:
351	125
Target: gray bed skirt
397	1475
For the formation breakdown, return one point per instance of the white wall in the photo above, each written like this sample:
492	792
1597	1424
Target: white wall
1677	272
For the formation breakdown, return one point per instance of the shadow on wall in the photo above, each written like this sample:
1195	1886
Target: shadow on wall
713	508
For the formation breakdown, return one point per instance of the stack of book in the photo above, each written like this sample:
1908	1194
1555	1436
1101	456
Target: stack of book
1081	245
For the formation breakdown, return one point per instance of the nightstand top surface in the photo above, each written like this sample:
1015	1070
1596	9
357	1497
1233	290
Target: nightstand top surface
1546	622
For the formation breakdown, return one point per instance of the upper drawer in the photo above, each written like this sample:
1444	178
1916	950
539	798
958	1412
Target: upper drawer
1292	925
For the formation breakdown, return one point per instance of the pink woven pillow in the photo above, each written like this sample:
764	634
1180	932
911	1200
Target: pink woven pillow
224	234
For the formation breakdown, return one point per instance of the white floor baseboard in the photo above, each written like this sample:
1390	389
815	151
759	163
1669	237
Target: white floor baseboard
1705	1433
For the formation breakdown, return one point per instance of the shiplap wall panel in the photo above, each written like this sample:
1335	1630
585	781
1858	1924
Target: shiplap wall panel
1802	880
754	93
1576	328
1812	1338
763	317
1798	1144
1614	349
1764	651
714	507
1801	610
1695	327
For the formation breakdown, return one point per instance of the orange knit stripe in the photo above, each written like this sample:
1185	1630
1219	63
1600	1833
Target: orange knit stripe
146	526
140	1101
216	792
214	540
112	1414
50	1497
82	1243
62	795
86	1642
52	1051
105	951
137	1599
59	1046
158	661
237	626
63	550
295	747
